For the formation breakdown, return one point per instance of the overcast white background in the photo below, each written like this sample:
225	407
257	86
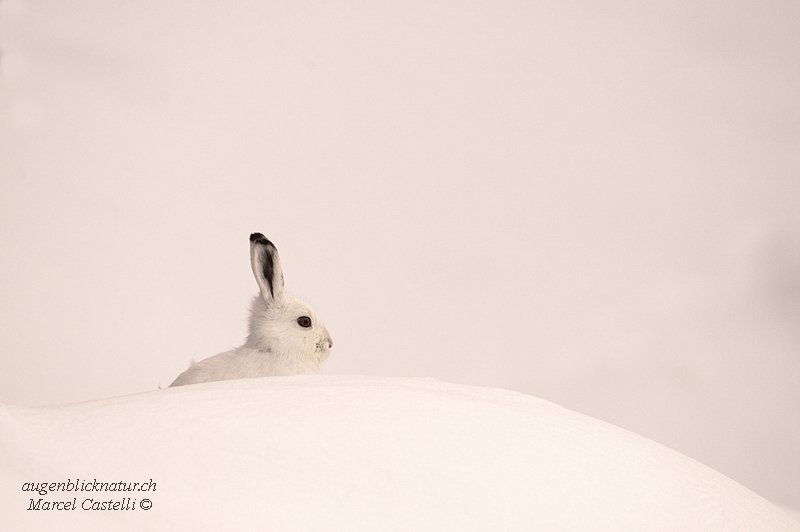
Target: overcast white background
593	202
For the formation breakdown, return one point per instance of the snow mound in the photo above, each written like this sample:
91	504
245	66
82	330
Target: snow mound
352	453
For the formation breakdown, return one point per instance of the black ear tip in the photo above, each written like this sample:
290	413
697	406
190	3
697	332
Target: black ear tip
258	237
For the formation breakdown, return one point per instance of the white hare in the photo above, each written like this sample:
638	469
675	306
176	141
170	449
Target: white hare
286	336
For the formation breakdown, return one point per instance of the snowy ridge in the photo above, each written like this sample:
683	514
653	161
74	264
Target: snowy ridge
357	453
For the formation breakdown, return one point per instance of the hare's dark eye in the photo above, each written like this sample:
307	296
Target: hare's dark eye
304	321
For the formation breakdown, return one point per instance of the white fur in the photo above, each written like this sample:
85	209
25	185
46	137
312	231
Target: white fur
276	344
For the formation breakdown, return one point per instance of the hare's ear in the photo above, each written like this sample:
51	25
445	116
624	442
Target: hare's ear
266	267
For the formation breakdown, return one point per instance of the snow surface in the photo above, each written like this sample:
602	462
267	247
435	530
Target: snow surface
359	453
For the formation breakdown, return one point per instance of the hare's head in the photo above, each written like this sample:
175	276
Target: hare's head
279	322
